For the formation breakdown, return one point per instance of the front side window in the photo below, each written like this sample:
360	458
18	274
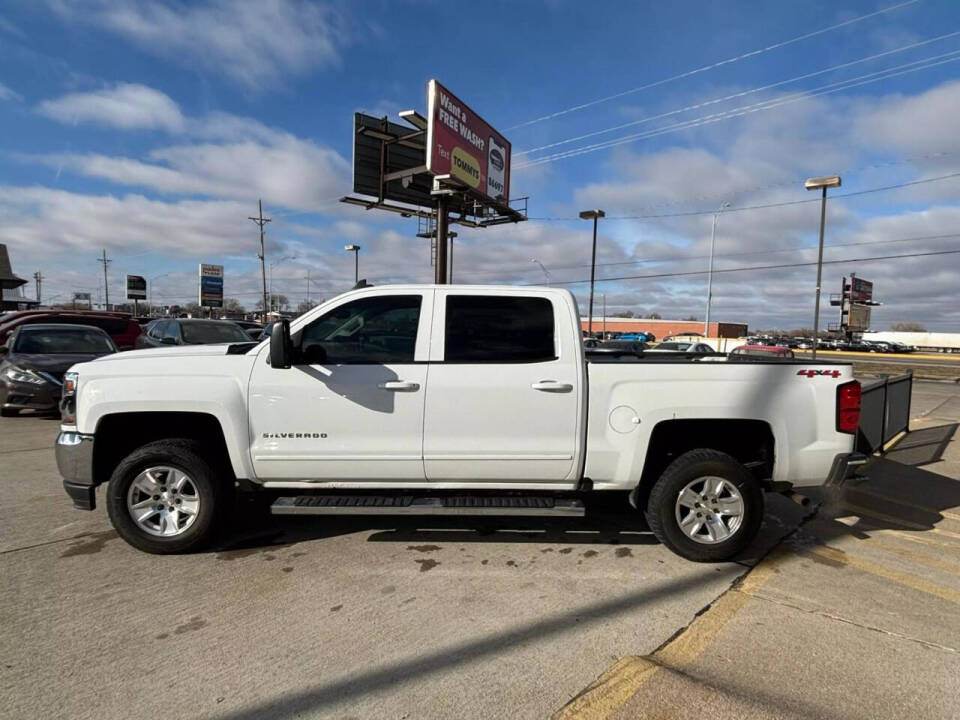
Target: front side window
374	330
499	329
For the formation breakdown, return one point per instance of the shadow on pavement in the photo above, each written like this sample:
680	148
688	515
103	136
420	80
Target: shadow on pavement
259	529
896	494
922	447
420	667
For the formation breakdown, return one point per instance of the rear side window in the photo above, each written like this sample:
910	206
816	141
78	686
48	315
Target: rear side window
499	329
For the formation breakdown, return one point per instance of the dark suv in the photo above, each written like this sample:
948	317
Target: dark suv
189	331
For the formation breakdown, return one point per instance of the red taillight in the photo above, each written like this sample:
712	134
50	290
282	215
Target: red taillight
848	407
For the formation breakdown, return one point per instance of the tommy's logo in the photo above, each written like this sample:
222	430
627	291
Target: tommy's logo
814	373
293	436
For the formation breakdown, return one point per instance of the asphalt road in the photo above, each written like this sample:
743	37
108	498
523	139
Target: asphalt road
378	618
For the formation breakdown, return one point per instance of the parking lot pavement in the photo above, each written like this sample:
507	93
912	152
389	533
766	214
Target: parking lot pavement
330	618
856	615
381	618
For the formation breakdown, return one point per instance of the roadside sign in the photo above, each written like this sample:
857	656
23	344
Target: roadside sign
462	145
211	285
136	287
81	297
860	290
859	318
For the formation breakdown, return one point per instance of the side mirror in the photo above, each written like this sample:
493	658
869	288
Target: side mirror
281	349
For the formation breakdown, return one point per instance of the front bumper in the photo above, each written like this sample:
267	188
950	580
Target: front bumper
28	396
844	466
74	453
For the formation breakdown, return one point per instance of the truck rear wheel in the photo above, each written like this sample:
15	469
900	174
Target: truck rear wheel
162	498
705	506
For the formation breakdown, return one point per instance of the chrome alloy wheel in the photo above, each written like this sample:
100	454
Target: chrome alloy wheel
163	501
709	510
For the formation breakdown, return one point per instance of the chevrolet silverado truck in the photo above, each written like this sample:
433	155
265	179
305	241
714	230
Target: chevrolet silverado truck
469	400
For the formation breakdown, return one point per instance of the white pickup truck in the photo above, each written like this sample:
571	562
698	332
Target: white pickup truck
415	399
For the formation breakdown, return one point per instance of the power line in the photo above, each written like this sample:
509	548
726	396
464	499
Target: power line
757	267
739	94
684	258
743	208
711	66
761	106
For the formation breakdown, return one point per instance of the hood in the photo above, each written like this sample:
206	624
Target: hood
173	351
54	364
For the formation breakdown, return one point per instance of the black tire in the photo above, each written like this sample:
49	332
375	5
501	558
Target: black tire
184	455
661	510
9	412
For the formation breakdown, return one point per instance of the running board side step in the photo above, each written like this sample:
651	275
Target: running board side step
502	505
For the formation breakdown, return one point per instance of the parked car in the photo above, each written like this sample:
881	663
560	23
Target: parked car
374	399
35	357
768	352
190	331
252	329
121	327
682	347
619	346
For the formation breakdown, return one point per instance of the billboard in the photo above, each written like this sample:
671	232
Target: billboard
858	318
136	287
462	145
81	297
860	290
397	157
211	285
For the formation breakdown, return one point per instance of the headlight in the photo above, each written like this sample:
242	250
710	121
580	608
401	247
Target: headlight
25	376
68	398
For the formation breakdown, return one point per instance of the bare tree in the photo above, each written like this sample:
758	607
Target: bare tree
907	327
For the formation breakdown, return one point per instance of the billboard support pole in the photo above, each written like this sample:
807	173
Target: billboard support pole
136	308
440	270
816	308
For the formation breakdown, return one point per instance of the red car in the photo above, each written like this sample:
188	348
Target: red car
761	351
121	327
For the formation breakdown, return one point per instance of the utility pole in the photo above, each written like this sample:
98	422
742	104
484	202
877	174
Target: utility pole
106	284
308	287
38	276
261	221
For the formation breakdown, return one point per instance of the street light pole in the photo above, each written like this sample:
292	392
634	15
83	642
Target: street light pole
595	215
820	183
546	273
355	249
713	240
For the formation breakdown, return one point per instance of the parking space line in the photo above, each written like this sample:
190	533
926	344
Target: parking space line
623	679
842	559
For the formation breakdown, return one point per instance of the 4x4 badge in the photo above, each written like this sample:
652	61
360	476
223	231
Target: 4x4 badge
814	373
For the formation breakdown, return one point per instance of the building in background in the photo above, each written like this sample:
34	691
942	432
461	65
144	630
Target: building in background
663	328
11	286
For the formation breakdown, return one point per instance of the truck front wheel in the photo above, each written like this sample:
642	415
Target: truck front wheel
705	507
162	498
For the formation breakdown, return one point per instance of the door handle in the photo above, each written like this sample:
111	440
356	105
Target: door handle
552	386
399	386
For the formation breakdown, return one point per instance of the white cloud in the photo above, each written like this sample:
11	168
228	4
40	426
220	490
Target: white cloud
286	171
253	42
8	94
127	106
924	123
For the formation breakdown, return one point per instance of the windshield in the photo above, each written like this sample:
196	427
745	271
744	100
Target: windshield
674	346
213	332
66	341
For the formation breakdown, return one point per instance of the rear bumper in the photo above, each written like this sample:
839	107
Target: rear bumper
844	466
74	453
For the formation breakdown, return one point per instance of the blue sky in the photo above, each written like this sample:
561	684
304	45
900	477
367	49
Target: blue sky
151	128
